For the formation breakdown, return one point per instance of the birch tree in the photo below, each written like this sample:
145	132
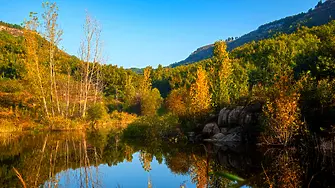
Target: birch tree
90	55
35	72
53	35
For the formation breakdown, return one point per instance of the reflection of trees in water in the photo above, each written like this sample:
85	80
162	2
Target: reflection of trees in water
179	163
281	169
44	158
146	159
71	153
319	166
199	171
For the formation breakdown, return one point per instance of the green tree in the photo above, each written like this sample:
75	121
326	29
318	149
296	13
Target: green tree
151	102
129	92
221	75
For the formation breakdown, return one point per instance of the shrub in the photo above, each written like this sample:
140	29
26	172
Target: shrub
281	111
61	123
318	102
151	127
96	112
10	86
122	119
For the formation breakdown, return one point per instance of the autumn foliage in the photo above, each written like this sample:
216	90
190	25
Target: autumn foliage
177	102
282	112
200	95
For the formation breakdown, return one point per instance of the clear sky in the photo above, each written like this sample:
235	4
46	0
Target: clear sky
138	33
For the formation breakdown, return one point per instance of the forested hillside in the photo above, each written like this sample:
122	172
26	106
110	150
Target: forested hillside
321	14
270	91
291	75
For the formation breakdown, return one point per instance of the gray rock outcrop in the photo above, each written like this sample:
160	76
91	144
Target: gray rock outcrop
210	129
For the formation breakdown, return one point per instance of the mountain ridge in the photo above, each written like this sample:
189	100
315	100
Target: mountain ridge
321	14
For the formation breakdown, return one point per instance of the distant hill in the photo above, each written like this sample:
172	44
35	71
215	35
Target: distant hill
200	54
13	52
321	14
137	70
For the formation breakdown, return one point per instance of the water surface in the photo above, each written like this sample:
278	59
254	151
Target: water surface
104	159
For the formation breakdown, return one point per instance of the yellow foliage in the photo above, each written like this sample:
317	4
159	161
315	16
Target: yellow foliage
282	112
146	159
176	102
200	171
284	170
122	119
199	95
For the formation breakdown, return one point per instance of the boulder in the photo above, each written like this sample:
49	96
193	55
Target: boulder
210	129
232	135
247	119
254	108
223	117
218	136
240	115
224	130
234	123
235	130
234	115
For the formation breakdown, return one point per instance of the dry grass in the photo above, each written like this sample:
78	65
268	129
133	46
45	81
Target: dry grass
18	175
10	125
116	120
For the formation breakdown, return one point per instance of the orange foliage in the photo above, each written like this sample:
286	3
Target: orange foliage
199	94
176	102
282	112
285	170
200	172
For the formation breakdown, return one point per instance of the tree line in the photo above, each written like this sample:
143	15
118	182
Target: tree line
291	74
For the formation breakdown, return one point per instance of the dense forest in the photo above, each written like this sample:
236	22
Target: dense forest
42	87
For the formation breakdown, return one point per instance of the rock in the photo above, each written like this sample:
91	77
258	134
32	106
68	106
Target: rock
232	137
212	118
247	119
190	134
223	117
216	129
241	116
235	130
209	140
198	138
254	108
224	130
210	129
234	115
191	137
218	136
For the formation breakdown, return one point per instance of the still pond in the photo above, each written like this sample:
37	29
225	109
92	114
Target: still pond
105	159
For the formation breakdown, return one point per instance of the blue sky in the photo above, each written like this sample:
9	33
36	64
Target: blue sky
138	33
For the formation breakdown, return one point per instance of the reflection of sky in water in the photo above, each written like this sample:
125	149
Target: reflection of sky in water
127	174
